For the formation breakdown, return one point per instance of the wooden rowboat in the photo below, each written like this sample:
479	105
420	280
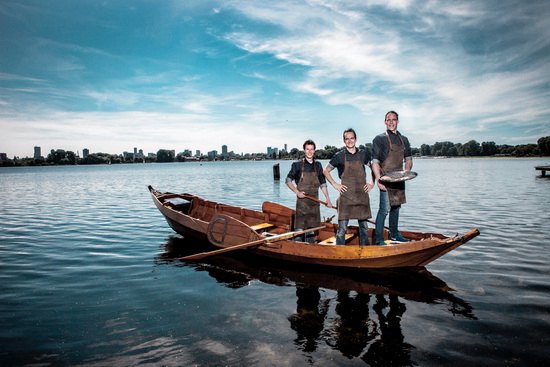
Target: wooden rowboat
269	233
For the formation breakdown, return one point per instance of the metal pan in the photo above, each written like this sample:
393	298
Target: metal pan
398	176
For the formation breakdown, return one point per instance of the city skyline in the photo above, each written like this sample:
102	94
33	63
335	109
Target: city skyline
37	152
108	76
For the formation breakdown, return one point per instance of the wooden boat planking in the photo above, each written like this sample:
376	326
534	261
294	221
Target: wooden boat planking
194	219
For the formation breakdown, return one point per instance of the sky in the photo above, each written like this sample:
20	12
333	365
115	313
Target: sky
197	74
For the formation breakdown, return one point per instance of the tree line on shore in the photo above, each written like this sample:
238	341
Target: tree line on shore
449	149
439	149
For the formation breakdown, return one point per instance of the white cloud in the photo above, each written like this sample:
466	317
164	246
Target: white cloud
397	62
454	71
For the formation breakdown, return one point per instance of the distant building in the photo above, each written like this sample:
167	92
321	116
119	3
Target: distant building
85	152
286	150
136	154
271	151
212	155
224	150
197	153
3	156
37	152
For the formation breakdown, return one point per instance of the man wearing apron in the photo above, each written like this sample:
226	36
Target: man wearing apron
308	175
353	202
389	150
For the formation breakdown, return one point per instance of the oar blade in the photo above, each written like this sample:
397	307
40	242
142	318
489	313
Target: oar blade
226	231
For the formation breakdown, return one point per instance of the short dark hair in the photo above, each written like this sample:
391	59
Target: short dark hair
387	113
309	142
350	130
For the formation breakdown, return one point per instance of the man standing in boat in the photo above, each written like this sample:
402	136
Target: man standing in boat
389	150
308	175
353	202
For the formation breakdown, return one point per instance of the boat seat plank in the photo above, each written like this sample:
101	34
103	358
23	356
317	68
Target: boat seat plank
261	226
332	240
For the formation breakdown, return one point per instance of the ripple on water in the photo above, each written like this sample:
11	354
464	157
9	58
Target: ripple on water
79	271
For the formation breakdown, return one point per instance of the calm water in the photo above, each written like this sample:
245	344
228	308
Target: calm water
84	280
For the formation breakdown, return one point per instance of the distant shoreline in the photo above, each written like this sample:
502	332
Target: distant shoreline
254	160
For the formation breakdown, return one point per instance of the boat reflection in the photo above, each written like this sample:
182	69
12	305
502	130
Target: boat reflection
367	305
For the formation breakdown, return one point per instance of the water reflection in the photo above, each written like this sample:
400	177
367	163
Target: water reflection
309	319
360	317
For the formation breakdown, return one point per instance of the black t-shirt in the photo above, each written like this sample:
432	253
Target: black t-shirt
381	146
296	171
339	159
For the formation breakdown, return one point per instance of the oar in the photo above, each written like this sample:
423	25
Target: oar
319	201
334	207
248	244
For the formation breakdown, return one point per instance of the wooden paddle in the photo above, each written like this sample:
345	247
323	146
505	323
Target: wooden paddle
320	201
275	238
334	207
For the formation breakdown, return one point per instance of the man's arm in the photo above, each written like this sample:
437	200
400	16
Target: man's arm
292	175
339	187
376	173
325	192
293	188
408	165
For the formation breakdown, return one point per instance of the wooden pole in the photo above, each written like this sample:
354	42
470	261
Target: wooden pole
276	172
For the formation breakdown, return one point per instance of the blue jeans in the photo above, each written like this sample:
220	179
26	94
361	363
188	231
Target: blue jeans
363	232
306	237
383	211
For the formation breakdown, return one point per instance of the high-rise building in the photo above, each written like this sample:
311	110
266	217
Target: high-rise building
37	152
212	155
224	150
271	151
85	152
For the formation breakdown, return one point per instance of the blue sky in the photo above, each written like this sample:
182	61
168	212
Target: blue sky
196	74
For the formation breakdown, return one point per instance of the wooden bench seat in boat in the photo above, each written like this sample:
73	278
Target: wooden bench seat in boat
261	226
332	240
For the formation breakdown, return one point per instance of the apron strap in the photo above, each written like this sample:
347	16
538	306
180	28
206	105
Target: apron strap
400	138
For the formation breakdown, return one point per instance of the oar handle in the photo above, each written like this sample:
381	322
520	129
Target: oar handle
319	201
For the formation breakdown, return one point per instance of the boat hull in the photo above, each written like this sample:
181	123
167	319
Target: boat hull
425	248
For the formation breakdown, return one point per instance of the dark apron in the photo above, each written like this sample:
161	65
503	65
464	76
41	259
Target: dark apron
354	203
307	211
392	163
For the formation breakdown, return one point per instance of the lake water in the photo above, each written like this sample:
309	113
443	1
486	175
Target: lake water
84	280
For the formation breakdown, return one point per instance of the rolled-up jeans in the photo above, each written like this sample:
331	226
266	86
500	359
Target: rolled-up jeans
363	232
383	211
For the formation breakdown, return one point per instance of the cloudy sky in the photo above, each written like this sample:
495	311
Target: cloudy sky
196	74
